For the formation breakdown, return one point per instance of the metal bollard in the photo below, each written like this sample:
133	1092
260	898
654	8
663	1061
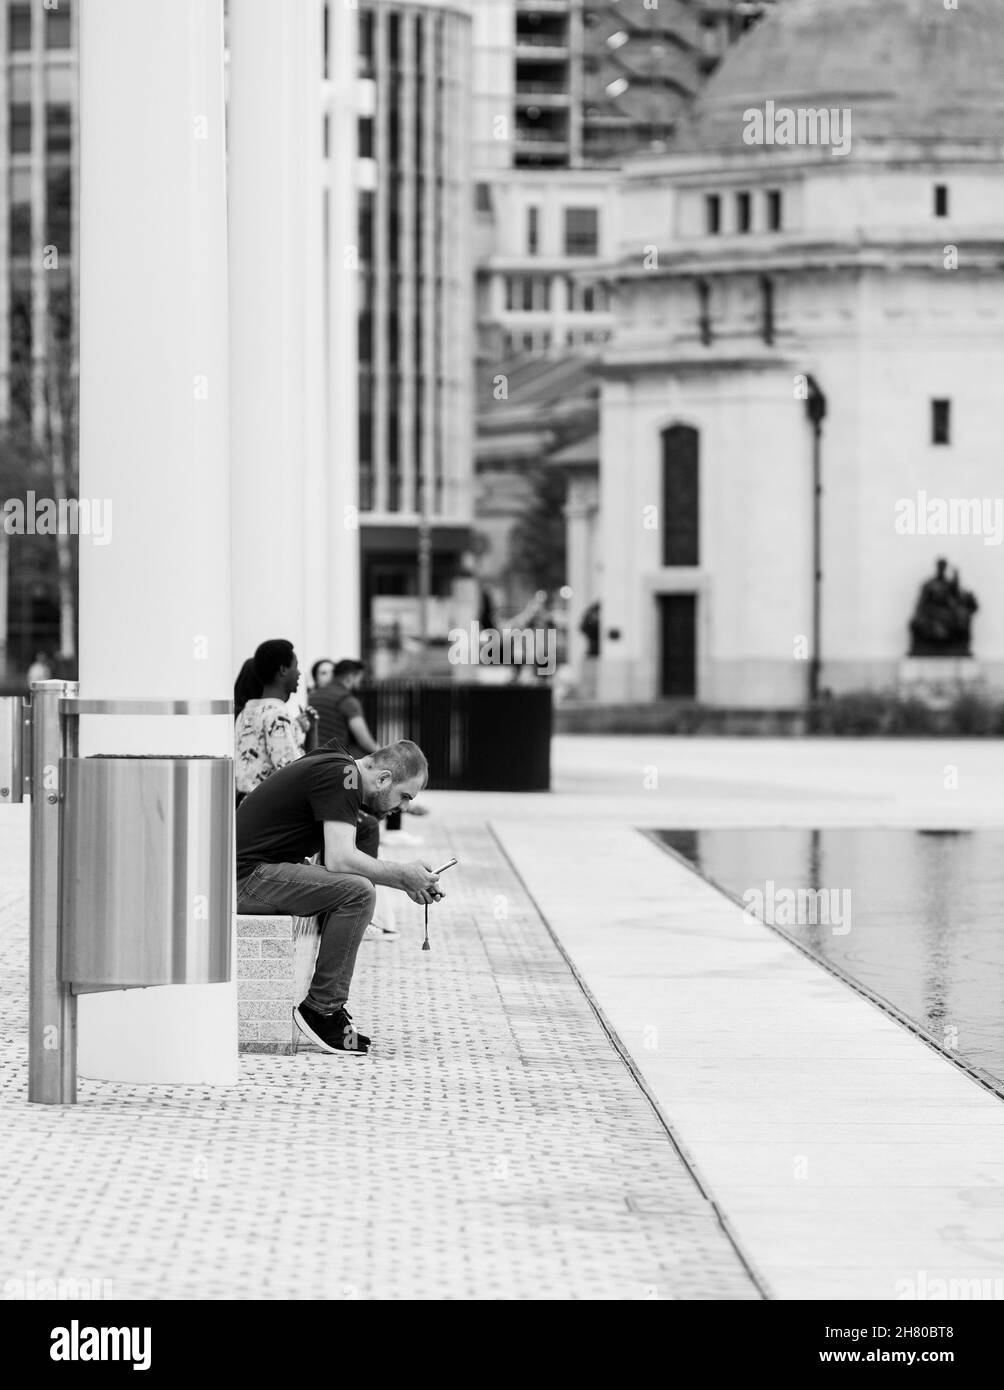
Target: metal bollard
13	776
52	1015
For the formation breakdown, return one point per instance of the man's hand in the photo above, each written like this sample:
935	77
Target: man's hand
419	882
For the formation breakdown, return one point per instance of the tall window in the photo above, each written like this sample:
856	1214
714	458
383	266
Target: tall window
941	422
774	210
57	128
743	214
679	495
20	127
767	308
940	200
19	27
57	26
582	231
704	311
532	230
712	214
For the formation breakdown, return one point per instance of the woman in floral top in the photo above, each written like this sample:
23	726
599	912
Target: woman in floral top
267	735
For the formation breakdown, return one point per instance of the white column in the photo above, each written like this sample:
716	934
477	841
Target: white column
342	337
268	174
317	595
155	598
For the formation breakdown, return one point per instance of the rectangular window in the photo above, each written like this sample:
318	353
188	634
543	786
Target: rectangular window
483	197
582	231
940	200
526	303
510	292
712	214
57	209
767	305
20	229
742	212
941	422
773	210
57	128
532	230
704	311
366	137
680	496
19	28
57	26
20	128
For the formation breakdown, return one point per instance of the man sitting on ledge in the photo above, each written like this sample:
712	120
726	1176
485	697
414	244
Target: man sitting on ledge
312	806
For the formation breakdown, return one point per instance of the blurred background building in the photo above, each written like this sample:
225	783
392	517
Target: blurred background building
757	283
416	314
38	125
566	92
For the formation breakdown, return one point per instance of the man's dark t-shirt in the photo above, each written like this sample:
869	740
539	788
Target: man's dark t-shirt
282	820
336	705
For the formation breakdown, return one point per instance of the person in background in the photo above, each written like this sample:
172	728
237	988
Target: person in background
322	673
267	736
40	669
340	717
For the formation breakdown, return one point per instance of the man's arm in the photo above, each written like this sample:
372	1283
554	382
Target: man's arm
359	730
342	857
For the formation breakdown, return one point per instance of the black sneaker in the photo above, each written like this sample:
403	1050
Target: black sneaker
334	1032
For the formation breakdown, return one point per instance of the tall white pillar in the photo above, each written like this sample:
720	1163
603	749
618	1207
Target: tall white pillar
271	54
155	599
342	383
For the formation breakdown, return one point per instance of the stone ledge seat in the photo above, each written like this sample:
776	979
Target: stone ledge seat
275	960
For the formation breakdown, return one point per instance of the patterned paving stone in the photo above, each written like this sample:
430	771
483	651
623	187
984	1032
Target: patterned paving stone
493	1146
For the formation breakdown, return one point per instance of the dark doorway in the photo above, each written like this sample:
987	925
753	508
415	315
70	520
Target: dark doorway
678	645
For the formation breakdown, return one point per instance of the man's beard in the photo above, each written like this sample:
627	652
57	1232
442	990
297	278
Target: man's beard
380	803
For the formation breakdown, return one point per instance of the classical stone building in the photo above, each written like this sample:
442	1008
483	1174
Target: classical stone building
855	257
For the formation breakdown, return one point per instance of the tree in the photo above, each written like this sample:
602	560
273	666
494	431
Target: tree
537	545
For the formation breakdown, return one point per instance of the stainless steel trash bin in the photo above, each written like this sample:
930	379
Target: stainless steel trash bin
146	891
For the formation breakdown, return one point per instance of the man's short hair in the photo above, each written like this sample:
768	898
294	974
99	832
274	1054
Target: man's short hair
404	760
348	667
270	657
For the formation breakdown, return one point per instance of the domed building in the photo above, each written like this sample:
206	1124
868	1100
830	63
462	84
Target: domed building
810	290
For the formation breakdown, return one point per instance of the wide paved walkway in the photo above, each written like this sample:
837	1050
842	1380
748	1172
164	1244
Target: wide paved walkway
495	1145
590	1011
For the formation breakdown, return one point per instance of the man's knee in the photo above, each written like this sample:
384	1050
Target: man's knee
359	891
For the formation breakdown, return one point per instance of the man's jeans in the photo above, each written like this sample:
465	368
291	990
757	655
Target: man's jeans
343	904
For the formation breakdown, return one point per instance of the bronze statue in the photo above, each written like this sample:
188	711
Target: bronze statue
943	617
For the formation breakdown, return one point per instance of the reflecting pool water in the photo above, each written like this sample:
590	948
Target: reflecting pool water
914	917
